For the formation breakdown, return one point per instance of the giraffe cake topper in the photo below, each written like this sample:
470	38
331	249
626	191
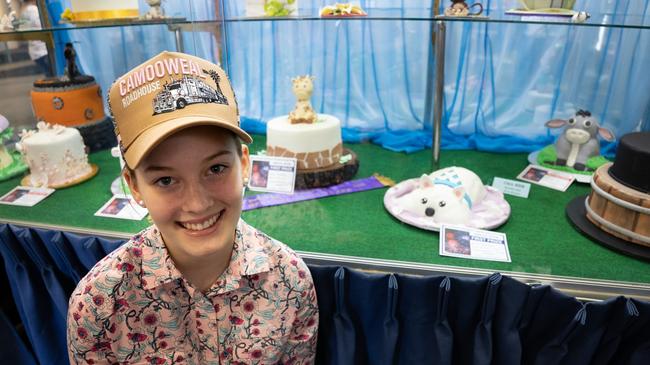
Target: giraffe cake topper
302	87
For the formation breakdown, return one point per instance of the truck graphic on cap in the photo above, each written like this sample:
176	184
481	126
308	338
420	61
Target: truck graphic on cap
185	91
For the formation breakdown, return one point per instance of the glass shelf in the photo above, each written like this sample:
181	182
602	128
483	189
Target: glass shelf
423	15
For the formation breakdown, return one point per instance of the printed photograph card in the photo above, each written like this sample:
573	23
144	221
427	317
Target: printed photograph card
477	244
25	196
546	177
272	174
122	207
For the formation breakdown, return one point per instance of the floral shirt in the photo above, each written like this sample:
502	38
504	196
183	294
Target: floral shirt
134	307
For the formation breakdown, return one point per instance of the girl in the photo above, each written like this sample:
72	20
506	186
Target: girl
200	286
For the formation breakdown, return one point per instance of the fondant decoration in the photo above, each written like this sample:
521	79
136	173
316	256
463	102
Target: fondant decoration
71	70
155	10
342	9
578	142
56	156
619	203
461	8
302	87
453	195
11	163
313	139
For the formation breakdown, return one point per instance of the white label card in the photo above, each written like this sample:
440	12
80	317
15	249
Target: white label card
511	187
272	174
477	244
546	177
25	196
122	207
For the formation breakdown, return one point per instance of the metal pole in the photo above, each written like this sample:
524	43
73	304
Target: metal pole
439	84
178	34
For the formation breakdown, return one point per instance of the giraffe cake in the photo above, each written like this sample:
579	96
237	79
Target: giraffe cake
313	139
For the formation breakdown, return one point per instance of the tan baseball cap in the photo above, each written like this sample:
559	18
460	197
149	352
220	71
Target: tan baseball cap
170	92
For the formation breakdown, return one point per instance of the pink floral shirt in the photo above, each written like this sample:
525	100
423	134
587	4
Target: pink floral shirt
134	307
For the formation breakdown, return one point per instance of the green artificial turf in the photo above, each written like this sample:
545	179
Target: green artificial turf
548	153
540	237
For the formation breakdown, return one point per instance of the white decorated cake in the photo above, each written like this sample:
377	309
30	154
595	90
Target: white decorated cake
88	10
313	139
315	145
56	155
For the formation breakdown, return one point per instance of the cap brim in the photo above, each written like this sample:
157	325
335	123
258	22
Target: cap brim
151	137
577	214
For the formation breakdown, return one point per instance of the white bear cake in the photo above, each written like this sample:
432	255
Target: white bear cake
56	156
453	195
313	139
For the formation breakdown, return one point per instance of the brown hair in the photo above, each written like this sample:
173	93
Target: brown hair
238	144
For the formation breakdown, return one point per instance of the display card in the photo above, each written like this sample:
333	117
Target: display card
511	187
272	174
122	207
26	196
477	244
546	177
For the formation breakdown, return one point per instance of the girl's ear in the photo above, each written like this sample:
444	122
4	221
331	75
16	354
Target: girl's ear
133	186
245	162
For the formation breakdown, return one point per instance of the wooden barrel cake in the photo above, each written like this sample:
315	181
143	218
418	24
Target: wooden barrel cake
619	202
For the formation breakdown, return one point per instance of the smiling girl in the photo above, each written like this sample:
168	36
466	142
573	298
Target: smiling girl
199	286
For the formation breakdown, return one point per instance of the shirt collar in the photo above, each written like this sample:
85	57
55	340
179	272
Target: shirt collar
157	265
250	256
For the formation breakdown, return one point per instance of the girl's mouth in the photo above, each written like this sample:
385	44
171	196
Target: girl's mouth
203	226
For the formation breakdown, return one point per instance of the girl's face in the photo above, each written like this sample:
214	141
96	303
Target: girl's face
192	183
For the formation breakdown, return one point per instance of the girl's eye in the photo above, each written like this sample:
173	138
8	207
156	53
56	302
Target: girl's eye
164	181
217	169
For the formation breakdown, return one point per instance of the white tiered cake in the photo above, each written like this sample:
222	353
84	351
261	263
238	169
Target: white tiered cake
56	155
315	145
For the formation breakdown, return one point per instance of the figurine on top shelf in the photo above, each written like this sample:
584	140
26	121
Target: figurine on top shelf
342	10
461	8
155	10
302	87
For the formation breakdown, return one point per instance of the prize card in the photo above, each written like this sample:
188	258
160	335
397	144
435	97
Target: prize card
25	196
122	207
272	174
546	177
477	244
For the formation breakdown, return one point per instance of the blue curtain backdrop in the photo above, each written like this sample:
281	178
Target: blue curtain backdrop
502	81
365	318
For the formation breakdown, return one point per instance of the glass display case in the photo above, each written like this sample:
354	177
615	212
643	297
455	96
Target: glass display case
395	66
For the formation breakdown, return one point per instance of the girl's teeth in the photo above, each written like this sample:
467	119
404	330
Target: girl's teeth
201	226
